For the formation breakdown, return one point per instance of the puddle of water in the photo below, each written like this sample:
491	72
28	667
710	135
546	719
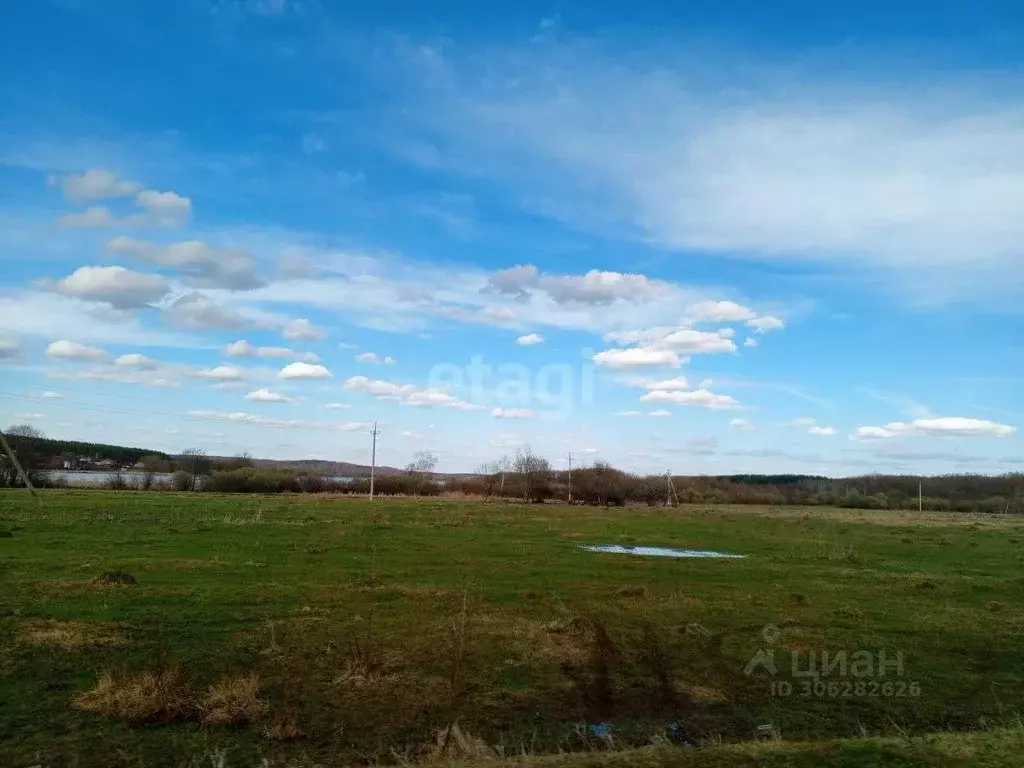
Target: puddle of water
615	549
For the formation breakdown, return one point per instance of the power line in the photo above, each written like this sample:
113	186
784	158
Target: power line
373	457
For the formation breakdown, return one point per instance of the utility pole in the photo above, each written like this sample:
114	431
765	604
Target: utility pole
668	484
568	455
919	497
373	457
17	466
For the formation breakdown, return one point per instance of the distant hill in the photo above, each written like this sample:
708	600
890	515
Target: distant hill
320	467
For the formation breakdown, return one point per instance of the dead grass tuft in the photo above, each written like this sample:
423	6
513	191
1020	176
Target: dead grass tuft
148	697
358	673
632	590
115	579
281	726
455	744
704	694
69	634
234	700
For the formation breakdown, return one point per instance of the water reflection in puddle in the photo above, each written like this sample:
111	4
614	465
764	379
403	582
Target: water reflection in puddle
615	549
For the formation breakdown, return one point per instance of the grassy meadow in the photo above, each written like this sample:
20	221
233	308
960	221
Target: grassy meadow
153	629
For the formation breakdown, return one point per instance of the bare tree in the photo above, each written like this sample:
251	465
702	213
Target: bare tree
423	463
21	439
535	472
196	463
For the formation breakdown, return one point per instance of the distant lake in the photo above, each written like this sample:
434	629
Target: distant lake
82	477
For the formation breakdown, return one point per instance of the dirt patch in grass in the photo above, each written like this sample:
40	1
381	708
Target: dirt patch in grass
234	700
70	634
148	697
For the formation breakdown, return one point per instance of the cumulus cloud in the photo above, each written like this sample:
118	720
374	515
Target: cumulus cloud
202	265
165	207
94	216
750	341
765	323
660	413
243	417
530	339
337	406
951	426
266	396
637	357
375	359
698	397
596	287
740	424
679	382
197	311
304	371
137	361
719	312
628	413
407	394
72	350
302	330
95	184
219	373
821	431
512	413
243	348
121	288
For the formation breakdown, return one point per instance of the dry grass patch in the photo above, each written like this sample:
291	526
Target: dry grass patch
148	697
455	744
281	727
360	673
701	693
234	700
69	634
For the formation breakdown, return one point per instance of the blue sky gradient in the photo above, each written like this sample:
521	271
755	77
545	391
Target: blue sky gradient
712	239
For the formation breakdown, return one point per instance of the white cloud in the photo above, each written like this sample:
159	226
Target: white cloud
95	216
499	314
698	397
660	413
740	424
678	339
72	350
596	287
199	312
951	426
338	406
302	329
765	323
165	207
637	357
750	341
628	413
719	312
243	417
266	396
137	361
95	184
512	413
821	431
749	159
304	371
243	348
679	382
121	288
374	358
51	395
219	373
530	339
203	265
407	394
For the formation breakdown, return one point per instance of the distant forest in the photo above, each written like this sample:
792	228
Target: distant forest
525	476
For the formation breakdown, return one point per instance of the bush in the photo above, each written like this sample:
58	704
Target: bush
181	481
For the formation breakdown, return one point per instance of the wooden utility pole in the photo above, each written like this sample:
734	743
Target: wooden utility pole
569	457
919	500
373	457
21	470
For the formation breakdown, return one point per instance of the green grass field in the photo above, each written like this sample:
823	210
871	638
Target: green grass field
373	626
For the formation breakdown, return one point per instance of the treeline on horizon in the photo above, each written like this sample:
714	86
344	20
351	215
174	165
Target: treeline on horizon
530	477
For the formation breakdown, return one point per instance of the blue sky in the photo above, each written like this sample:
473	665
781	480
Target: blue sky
712	239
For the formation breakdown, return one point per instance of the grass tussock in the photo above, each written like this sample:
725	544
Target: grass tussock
453	743
115	579
281	726
147	697
69	635
234	700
